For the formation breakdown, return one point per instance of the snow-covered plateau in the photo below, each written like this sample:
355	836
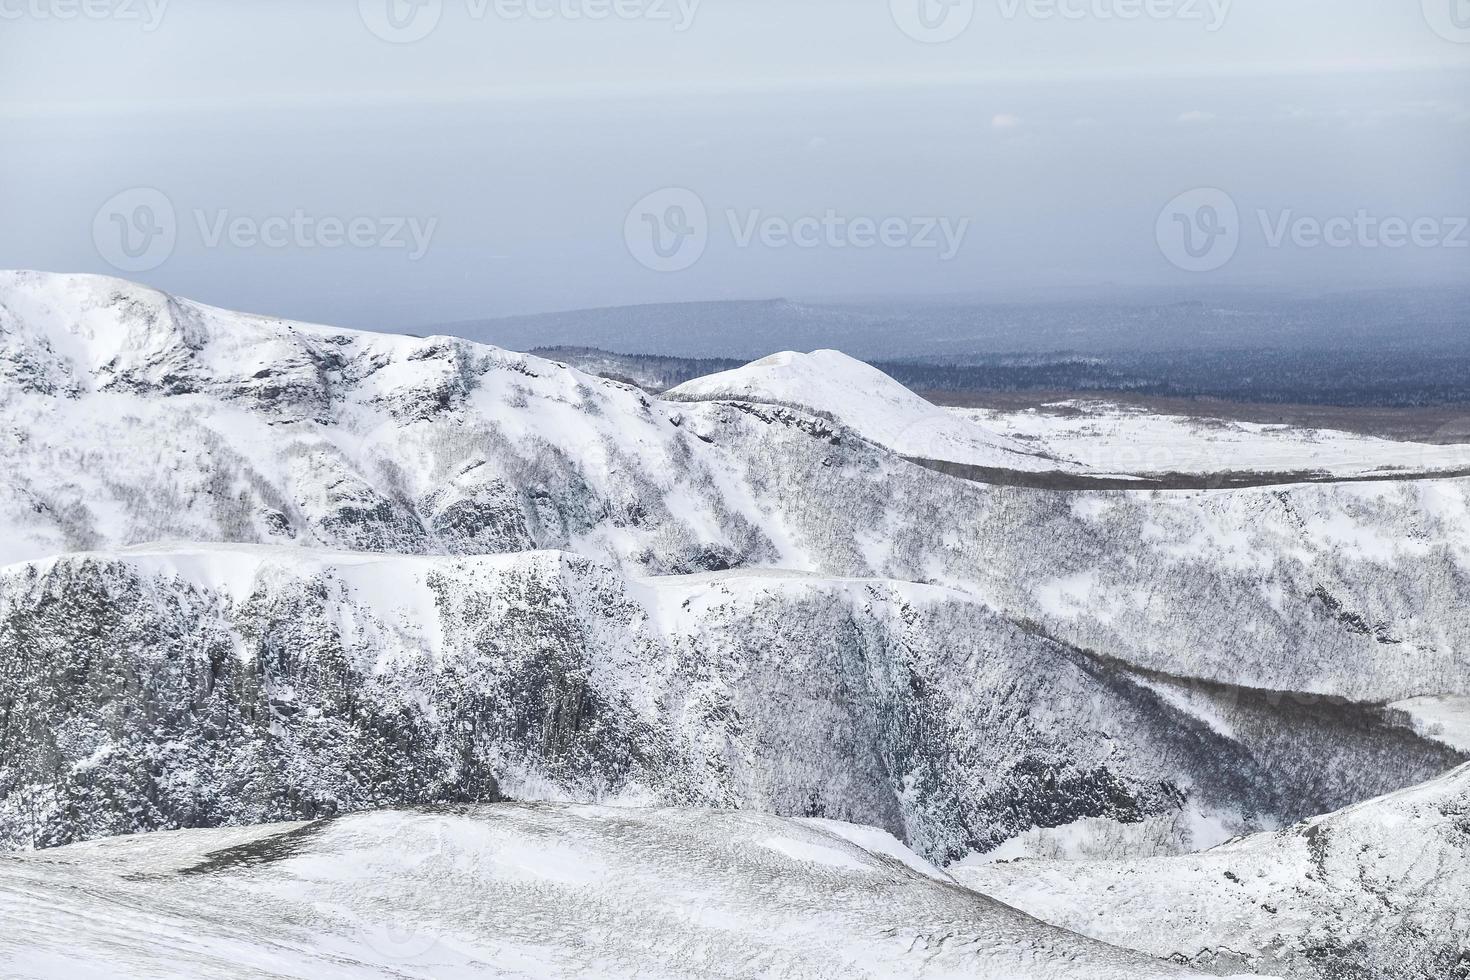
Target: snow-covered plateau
255	571
1111	438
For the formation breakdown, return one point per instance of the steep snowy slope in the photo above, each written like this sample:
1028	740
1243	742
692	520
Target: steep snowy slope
833	385
1379	890
200	686
134	416
525	891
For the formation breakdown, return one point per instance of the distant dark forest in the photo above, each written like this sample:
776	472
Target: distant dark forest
1400	348
1400	379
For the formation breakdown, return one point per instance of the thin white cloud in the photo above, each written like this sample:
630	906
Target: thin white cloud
652	90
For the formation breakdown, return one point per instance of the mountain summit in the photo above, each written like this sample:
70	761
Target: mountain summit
831	384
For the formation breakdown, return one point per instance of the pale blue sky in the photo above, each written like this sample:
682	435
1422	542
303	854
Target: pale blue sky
526	141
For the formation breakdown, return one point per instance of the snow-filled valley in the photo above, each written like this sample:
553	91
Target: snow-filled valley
254	571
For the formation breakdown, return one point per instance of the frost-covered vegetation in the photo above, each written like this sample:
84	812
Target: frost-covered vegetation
1374	891
196	687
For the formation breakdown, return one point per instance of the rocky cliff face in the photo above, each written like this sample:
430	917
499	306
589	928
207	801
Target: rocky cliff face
195	687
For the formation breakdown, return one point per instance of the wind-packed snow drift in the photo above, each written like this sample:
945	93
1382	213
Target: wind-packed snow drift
525	891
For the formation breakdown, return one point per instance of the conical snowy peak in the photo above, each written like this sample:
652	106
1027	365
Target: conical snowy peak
832	384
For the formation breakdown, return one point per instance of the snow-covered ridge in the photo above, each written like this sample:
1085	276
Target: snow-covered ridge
133	416
541	891
92	333
78	333
1380	889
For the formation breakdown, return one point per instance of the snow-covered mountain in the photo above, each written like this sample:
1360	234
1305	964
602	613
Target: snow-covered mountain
255	571
541	891
135	417
424	570
830	384
1378	890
